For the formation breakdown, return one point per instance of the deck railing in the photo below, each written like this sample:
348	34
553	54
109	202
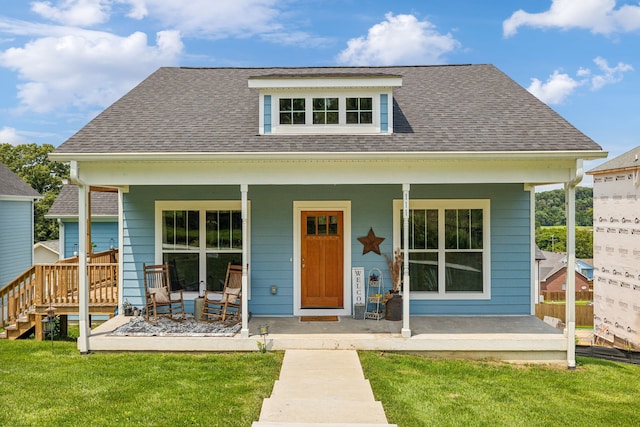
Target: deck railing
57	284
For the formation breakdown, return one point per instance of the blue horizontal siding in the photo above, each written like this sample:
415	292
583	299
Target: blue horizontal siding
16	249
101	235
371	207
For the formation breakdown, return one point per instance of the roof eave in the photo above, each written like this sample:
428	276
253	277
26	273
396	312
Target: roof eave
613	170
318	155
21	198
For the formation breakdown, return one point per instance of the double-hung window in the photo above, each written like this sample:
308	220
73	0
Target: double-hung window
198	239
359	110
325	111
448	248
292	111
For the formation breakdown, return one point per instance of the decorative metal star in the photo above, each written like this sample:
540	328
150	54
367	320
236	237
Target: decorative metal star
371	242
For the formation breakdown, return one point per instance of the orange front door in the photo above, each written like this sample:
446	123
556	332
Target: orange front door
322	262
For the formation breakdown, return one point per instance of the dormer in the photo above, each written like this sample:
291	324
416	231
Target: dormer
326	103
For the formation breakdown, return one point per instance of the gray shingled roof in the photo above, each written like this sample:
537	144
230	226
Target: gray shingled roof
66	204
53	245
12	185
437	109
630	159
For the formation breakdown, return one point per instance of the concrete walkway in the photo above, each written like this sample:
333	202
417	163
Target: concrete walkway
321	388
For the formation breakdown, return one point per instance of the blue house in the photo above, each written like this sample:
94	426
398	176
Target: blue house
288	171
104	220
16	225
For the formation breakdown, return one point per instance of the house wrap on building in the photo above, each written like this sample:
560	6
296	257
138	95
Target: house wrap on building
616	248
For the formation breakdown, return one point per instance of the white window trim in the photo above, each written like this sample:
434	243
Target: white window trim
298	207
341	128
485	205
202	206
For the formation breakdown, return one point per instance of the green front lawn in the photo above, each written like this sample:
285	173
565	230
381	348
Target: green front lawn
418	391
157	389
39	388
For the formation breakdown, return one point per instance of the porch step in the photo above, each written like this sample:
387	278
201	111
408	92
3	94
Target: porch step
322	411
321	388
23	325
308	388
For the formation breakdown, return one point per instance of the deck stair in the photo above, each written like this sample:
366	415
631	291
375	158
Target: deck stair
27	299
24	325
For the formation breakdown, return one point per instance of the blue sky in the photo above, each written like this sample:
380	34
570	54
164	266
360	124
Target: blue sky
64	61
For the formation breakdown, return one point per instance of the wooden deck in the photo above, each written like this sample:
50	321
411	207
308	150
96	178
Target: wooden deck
27	299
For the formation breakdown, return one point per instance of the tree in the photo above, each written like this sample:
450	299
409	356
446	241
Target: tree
31	163
550	209
554	239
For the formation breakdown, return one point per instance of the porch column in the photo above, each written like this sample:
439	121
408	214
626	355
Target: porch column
406	330
570	314
244	332
120	252
83	291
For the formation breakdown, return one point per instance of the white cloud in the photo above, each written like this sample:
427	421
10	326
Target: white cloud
598	16
138	8
85	13
85	68
296	38
555	90
559	86
218	19
609	74
82	13
399	39
11	136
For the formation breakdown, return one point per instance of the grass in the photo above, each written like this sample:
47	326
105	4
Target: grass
64	388
418	391
562	302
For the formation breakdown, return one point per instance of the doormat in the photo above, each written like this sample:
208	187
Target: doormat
319	318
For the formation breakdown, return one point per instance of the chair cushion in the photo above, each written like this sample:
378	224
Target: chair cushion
162	296
232	295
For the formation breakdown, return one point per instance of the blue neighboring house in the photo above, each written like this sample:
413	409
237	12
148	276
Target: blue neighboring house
104	220
17	199
290	170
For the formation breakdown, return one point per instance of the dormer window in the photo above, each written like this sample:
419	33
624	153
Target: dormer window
359	110
325	111
292	111
326	104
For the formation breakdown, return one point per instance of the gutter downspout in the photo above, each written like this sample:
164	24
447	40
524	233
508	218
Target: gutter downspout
83	291
61	240
570	314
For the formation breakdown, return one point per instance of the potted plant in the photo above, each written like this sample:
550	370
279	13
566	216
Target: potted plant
395	269
392	298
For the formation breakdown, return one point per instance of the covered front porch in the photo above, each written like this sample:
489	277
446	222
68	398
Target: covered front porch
519	339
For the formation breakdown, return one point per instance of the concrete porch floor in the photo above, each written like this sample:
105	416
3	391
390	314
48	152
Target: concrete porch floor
523	339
